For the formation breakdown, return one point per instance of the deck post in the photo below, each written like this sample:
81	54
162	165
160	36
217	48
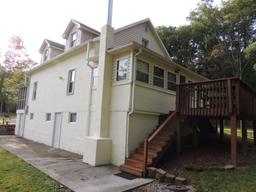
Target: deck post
233	126
178	136
221	129
254	132
195	137
244	136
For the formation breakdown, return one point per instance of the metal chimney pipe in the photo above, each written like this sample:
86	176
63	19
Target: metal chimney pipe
110	12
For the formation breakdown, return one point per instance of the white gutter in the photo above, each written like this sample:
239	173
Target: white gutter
131	111
90	88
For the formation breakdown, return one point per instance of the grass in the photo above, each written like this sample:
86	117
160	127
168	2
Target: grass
11	117
18	176
241	179
227	131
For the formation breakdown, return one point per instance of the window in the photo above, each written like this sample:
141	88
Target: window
71	81
34	91
72	117
144	42
31	116
142	71
122	69
73	38
46	54
182	79
48	116
95	76
158	77
171	81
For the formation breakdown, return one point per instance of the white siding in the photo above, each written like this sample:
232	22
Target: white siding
52	97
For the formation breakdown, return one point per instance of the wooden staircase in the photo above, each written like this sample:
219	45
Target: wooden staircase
152	150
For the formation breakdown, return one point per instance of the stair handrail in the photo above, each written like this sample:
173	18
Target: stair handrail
150	138
155	133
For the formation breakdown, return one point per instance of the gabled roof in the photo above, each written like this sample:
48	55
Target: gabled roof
73	22
50	43
147	21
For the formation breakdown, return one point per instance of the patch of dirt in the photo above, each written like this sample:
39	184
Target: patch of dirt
211	152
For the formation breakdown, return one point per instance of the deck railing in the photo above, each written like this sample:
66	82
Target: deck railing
216	98
22	97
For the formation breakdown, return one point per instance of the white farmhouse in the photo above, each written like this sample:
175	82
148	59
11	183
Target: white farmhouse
102	93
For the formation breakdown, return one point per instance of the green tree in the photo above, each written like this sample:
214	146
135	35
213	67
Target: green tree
215	42
15	62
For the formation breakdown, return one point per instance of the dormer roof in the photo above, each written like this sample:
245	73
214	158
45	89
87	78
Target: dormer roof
80	25
50	43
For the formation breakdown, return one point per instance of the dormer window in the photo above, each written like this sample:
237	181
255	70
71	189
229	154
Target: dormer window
46	54
73	38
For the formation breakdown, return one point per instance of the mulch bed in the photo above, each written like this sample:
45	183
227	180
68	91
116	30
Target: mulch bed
211	152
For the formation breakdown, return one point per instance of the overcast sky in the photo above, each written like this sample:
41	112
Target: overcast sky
35	20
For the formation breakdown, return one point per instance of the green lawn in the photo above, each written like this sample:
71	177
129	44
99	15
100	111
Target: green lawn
243	179
240	180
18	176
227	131
11	117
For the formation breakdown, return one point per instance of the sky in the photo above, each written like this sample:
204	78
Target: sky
35	20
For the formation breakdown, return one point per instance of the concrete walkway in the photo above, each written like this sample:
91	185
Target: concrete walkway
68	168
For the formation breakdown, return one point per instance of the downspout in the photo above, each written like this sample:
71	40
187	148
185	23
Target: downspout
131	111
90	89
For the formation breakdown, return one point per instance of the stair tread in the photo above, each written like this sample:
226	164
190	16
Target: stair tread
156	149
132	170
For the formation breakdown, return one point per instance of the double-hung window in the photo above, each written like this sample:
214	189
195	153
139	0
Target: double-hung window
46	54
34	93
142	71
122	69
171	81
158	77
72	117
48	116
71	81
73	38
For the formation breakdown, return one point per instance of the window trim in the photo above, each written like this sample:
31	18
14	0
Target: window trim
69	81
117	61
171	81
34	91
146	62
153	75
69	117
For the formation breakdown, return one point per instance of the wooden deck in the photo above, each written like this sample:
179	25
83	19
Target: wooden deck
218	99
222	99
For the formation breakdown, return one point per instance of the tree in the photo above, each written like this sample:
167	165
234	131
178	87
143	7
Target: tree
15	61
224	33
179	43
215	42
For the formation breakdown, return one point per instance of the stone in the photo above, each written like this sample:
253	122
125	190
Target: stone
229	167
151	172
191	188
160	174
180	180
178	188
169	178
